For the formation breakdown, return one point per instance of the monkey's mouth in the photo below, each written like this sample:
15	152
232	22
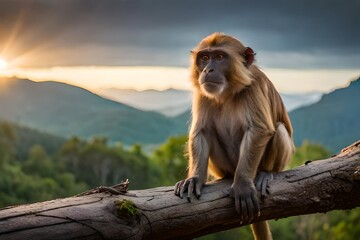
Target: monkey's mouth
212	86
211	82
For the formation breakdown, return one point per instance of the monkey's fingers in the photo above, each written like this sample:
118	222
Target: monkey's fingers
262	181
237	204
244	210
183	188
250	209
176	191
256	205
259	180
178	187
198	190
264	186
268	178
190	189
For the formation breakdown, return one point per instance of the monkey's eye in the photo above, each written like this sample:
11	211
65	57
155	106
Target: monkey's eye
220	57
205	58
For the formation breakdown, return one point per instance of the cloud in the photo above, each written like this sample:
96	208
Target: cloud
161	32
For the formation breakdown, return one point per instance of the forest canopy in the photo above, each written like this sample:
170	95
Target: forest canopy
45	172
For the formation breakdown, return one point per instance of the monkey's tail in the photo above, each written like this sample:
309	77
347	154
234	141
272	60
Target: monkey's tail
261	231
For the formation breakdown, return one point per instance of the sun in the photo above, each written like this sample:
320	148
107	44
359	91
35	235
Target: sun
3	64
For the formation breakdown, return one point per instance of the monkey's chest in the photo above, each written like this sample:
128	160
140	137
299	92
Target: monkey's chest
229	136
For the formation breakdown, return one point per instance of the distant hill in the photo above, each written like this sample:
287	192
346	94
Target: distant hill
26	138
170	102
173	102
333	121
294	101
67	110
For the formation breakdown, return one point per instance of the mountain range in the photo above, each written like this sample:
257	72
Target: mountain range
333	121
174	102
66	110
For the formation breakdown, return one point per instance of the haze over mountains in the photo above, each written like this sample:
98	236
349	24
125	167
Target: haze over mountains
65	110
173	102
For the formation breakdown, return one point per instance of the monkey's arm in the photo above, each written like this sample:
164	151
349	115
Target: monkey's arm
198	164
243	190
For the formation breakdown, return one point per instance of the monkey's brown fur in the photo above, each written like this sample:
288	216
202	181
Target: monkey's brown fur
239	127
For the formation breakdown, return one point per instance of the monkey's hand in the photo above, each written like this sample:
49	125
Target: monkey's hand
246	201
189	185
262	181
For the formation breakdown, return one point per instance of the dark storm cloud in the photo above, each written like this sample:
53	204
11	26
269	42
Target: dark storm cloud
160	32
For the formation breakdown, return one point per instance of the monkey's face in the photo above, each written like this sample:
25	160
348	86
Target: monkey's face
213	65
220	66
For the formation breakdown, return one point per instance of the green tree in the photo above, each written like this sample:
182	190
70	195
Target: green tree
70	152
7	138
97	162
140	167
171	157
39	163
41	177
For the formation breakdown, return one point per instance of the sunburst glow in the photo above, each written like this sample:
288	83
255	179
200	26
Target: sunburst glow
161	78
3	64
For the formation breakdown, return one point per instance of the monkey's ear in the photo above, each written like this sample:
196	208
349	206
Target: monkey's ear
249	56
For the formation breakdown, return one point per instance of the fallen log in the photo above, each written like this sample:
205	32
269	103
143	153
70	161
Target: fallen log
105	213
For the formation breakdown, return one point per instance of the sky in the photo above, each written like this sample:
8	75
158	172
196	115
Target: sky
301	45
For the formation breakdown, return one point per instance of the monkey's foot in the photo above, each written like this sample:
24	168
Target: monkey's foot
190	185
246	202
262	181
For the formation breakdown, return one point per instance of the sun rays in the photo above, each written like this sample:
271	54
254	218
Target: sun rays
3	64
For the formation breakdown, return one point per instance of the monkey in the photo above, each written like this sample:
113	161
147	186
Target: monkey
240	128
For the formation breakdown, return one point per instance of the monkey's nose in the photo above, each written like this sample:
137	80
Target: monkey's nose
208	70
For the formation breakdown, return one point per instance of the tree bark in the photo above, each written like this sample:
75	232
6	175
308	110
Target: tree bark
318	186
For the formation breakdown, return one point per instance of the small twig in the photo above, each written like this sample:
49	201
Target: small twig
118	189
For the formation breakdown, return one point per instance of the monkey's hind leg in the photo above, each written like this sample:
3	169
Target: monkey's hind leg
261	231
282	148
277	155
